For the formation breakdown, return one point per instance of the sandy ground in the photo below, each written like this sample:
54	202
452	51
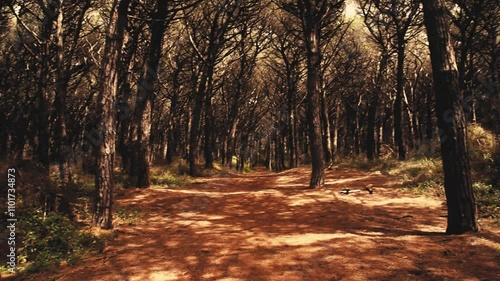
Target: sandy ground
268	226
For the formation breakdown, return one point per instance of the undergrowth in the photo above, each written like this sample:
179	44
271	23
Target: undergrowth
424	175
50	241
170	176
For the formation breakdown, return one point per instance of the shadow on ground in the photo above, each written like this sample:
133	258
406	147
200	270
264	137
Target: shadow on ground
269	227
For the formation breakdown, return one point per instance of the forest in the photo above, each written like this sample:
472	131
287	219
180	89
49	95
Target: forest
250	140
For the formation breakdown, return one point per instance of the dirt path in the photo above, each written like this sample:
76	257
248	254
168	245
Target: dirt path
266	226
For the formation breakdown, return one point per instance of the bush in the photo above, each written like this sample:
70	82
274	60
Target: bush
171	176
50	241
481	145
488	200
247	168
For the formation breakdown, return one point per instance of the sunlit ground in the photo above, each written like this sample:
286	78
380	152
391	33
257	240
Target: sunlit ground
268	226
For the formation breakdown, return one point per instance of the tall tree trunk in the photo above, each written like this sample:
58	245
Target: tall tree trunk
61	137
173	130
141	127
312	32
370	134
51	13
104	180
195	124
64	63
209	126
460	198
371	152
291	128
125	92
398	102
325	127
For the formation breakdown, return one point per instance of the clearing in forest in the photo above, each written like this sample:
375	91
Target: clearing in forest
268	226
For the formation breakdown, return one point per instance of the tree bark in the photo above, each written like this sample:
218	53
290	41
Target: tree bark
398	106
371	151
51	12
462	211
104	180
312	32
141	128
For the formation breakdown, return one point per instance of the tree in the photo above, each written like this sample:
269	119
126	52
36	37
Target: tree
285	63
314	15
211	32
140	130
104	180
391	25
460	198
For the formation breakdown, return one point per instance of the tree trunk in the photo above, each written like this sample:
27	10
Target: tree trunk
173	130
125	92
460	198
104	181
61	137
398	106
42	115
209	126
371	151
195	125
141	128
312	32
325	126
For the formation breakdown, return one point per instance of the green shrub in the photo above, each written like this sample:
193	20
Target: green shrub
169	176
47	242
246	168
481	145
488	200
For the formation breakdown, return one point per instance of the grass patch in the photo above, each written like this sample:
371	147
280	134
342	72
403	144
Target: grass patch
424	176
127	215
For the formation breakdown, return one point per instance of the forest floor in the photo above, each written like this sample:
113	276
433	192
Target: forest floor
268	226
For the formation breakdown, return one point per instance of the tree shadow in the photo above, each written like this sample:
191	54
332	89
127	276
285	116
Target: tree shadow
268	228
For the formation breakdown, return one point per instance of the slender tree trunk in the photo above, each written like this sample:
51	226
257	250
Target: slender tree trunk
125	92
291	128
312	32
61	137
173	132
104	180
64	63
51	13
195	124
398	104
370	134
325	127
462	212
373	105
141	128
209	126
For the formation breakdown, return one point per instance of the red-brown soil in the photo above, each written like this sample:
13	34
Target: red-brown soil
268	226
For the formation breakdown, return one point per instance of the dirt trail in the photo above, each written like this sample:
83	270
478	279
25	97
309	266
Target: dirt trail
267	226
